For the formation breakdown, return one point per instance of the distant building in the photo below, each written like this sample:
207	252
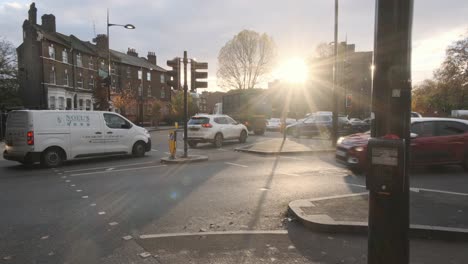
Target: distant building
208	100
57	71
353	81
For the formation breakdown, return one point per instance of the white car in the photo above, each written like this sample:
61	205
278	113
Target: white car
52	136
274	124
214	129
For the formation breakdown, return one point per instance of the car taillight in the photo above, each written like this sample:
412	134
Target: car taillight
207	125
30	137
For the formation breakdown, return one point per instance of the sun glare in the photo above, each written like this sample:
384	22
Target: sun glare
294	70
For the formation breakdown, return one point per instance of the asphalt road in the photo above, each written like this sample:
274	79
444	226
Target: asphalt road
80	212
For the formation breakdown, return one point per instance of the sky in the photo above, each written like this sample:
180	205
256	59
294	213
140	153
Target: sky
202	27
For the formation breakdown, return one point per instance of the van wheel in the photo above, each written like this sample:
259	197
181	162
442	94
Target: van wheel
51	158
138	149
218	140
243	137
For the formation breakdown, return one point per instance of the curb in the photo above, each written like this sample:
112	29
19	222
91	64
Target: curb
324	223
189	159
271	153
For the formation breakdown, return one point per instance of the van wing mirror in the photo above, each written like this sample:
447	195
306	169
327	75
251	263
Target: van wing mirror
126	126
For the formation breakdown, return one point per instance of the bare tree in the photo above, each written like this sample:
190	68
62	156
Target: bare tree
8	75
245	60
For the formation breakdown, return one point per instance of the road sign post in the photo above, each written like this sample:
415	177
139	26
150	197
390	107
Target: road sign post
391	106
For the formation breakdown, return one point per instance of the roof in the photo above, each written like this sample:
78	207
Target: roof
135	61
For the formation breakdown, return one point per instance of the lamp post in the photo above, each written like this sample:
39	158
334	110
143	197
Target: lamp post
127	26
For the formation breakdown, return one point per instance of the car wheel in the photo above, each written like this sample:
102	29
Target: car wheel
51	158
138	149
218	140
192	144
243	137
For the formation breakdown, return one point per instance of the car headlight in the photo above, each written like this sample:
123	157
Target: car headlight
340	140
359	149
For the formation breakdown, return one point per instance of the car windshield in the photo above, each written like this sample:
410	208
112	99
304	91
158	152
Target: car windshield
234	131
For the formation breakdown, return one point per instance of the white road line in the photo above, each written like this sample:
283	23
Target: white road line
84	197
290	174
109	169
78	190
249	232
113	223
235	164
293	158
72	185
127	237
101	213
67	181
129	169
93	204
438	191
154	150
118	166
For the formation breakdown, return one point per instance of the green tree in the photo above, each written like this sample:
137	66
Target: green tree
9	96
245	60
177	106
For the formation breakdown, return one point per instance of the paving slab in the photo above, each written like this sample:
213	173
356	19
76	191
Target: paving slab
432	215
280	146
182	160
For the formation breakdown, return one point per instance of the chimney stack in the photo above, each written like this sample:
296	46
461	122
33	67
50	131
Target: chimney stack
32	14
152	57
132	52
48	23
101	42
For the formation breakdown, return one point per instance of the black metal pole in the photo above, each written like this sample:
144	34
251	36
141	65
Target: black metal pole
391	104
185	103
335	93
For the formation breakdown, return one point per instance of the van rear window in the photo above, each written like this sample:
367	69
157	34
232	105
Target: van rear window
17	119
199	120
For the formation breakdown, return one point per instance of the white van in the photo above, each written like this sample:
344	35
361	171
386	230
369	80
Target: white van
51	136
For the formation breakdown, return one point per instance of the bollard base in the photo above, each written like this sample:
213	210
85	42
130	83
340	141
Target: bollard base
188	159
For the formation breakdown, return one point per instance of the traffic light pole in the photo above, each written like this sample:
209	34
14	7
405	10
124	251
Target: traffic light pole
185	61
335	90
391	105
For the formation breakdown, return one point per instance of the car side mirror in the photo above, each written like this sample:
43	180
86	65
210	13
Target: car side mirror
413	135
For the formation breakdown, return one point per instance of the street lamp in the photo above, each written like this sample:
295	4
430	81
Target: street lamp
127	26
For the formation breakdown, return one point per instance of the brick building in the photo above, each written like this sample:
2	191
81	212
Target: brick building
208	100
57	71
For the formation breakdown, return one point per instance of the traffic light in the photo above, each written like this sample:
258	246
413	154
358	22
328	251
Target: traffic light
174	75
348	101
195	75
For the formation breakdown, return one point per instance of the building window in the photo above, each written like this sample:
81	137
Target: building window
79	81
161	78
61	103
129	73
79	63
88	105
148	76
148	93
52	51
65	56
91	82
140	90
91	63
113	85
65	78
140	74
52	102
80	104
52	75
163	93
113	68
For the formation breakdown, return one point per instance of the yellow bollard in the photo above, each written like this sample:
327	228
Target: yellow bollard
176	125
172	143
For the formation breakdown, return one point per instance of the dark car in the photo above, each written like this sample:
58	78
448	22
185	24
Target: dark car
317	125
434	141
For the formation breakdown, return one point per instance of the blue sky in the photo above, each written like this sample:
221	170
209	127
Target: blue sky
168	27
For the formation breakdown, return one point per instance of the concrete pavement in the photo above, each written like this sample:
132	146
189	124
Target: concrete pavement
279	146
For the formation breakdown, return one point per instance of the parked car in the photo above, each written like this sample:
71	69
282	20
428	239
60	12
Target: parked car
416	114
215	129
53	136
273	124
357	125
434	141
317	125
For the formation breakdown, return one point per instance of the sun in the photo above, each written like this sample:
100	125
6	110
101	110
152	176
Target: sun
294	70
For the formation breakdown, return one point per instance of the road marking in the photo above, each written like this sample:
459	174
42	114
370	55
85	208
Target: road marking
109	169
100	172
235	164
113	223
127	238
93	204
293	158
44	237
101	213
98	168
154	150
67	181
290	174
438	191
78	190
246	232
145	254
72	185
84	197
59	173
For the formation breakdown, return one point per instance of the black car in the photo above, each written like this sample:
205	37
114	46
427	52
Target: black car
318	125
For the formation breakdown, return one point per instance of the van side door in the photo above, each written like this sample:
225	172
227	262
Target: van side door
117	133
86	134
